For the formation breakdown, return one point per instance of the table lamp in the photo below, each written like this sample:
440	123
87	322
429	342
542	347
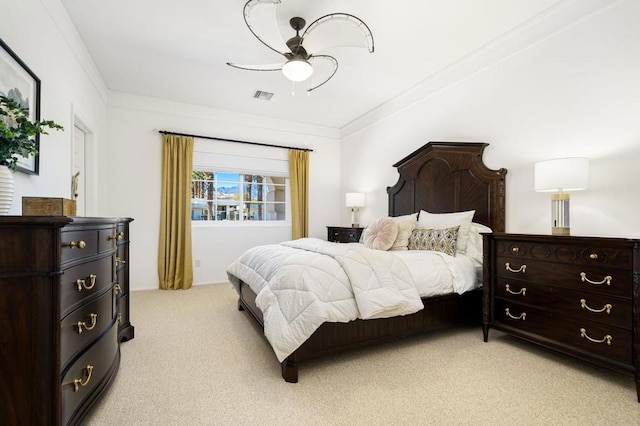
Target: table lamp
354	200
560	176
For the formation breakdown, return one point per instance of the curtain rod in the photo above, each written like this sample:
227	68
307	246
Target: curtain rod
165	132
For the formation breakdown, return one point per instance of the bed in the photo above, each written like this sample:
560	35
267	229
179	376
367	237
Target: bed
440	177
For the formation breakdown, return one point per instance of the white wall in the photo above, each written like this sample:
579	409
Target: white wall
134	160
41	35
575	93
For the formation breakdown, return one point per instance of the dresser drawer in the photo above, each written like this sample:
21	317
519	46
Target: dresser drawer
616	282
343	235
83	243
122	254
87	373
85	281
582	252
123	310
592	338
78	244
122	233
82	326
590	306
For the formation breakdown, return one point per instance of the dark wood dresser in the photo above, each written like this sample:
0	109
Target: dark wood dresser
338	234
125	329
577	295
63	312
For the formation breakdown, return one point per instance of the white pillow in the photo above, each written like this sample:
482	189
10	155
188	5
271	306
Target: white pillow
474	243
428	220
381	234
406	224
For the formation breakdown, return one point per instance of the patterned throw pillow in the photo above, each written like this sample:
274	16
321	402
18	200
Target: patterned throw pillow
443	240
428	220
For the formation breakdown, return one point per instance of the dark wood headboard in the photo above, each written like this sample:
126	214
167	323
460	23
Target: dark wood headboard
445	177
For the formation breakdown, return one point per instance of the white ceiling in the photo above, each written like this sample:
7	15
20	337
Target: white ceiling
178	49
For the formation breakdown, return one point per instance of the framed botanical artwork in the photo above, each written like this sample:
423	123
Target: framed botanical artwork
19	83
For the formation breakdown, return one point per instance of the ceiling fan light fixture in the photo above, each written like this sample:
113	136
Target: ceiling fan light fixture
297	69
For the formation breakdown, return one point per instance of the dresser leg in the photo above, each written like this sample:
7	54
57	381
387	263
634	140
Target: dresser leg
485	332
638	388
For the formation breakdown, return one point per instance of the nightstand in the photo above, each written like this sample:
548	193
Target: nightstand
339	234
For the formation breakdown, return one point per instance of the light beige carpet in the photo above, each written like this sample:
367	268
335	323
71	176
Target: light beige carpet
197	360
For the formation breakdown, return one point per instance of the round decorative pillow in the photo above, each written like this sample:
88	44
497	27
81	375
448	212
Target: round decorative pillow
381	234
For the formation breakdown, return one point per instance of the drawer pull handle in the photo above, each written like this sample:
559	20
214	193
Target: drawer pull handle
607	279
117	289
522	316
522	291
80	284
78	382
593	256
515	249
120	261
119	236
607	338
81	324
120	319
80	244
607	307
522	269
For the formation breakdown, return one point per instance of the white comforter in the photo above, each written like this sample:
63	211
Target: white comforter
303	283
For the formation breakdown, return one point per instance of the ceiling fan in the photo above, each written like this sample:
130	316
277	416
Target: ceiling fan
328	31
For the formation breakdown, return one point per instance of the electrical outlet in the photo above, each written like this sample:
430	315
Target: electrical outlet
197	263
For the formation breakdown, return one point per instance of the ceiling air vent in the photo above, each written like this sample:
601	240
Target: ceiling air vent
263	95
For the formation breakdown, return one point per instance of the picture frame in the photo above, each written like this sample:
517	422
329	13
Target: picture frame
18	82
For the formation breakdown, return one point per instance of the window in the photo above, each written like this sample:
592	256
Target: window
239	183
238	197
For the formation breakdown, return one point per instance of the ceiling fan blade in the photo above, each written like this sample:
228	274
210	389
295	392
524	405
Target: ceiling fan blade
337	30
262	20
262	67
324	66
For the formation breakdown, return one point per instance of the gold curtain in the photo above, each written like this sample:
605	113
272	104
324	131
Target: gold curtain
175	270
299	182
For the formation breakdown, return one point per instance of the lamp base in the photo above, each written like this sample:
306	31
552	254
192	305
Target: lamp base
560	214
560	231
354	217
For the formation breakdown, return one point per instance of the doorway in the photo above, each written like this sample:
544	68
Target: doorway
79	175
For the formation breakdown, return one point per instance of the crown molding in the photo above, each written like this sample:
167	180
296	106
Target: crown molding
542	26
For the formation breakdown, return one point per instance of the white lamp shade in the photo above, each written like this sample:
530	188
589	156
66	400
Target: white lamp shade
354	199
297	70
562	174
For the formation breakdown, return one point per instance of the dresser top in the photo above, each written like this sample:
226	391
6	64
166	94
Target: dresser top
564	238
58	221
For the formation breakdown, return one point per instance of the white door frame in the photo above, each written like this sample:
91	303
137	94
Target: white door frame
90	164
